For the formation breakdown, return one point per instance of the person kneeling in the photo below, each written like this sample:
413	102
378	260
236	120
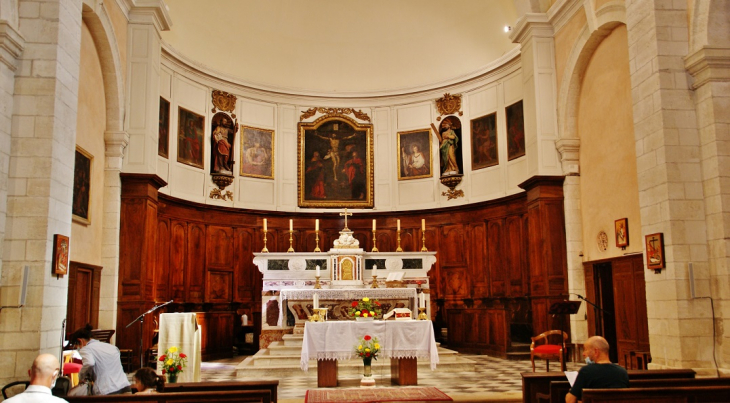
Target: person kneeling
600	373
146	381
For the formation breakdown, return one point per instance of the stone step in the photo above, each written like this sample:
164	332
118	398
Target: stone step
287	356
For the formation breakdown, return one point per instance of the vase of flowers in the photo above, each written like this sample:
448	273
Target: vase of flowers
368	349
365	309
173	362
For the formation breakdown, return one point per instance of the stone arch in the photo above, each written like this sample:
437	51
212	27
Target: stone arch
708	27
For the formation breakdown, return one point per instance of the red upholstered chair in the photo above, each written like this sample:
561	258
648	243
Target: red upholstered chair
547	351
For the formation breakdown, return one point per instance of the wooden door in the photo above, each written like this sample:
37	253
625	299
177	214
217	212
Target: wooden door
84	283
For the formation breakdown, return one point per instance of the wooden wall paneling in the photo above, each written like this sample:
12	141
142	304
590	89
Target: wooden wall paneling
206	345
218	286
496	263
642	320
456	284
178	254
132	248
538	278
625	307
195	264
514	256
539	316
361	236
162	268
456	321
386	240
219	249
452	246
244	269
84	284
478	259
129	337
407	240
589	275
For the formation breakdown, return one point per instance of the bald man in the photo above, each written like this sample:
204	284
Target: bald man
600	373
43	376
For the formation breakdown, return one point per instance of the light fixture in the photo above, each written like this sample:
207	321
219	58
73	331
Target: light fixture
507	28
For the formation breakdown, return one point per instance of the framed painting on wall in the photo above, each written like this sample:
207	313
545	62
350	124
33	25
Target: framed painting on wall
415	154
257	152
163	137
59	265
515	131
484	142
190	129
82	187
335	158
621	227
655	251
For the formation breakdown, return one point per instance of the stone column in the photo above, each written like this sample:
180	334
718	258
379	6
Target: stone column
669	179
40	177
536	36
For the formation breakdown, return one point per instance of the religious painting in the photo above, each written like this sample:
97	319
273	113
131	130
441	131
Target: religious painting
515	131
223	132
335	158
449	136
621	227
655	251
415	154
163	138
484	142
190	129
82	187
59	265
257	152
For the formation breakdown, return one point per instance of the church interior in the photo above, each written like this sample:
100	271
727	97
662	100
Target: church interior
505	155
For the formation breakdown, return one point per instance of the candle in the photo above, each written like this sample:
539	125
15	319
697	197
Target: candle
423	224
316	301
373	225
375	269
291	225
399	224
264	225
317	271
316	224
422	300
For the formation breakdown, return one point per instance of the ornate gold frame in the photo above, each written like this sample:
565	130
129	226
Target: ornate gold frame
243	152
74	217
302	127
427	131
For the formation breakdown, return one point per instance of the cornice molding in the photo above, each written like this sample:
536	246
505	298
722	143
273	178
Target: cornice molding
569	149
148	12
562	11
708	65
530	26
12	44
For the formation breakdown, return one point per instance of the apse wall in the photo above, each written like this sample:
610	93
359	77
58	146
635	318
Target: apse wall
188	84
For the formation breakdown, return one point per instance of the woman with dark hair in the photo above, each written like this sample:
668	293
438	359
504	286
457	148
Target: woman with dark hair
146	381
101	363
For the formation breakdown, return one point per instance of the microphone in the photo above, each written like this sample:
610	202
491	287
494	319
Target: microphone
577	295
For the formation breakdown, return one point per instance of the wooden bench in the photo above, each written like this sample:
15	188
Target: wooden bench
558	389
539	382
679	394
270	385
260	396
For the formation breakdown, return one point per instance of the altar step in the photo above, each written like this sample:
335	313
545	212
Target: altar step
282	358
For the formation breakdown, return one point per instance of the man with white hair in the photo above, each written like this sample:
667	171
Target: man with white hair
43	375
600	373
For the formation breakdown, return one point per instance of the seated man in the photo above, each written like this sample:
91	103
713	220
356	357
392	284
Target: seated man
600	373
43	375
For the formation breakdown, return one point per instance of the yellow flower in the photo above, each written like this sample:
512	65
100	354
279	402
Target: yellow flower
377	346
366	299
359	347
168	362
364	314
357	313
372	313
173	349
367	350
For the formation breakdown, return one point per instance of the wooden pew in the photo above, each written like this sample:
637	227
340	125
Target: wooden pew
259	396
680	394
558	389
270	385
539	382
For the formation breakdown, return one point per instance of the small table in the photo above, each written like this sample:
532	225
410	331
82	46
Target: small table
401	341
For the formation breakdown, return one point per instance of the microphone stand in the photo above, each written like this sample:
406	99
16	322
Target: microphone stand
600	310
140	318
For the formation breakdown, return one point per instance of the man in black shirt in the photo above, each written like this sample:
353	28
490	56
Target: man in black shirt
600	373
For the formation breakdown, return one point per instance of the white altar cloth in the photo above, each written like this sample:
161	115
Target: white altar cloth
343	294
181	330
398	339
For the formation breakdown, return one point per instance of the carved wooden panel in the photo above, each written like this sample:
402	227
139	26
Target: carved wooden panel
477	257
84	283
452	246
456	284
195	267
245	279
496	262
219	287
177	268
219	247
487	330
132	247
386	241
515	258
162	274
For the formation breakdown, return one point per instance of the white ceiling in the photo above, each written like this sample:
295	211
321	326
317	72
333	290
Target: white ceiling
341	46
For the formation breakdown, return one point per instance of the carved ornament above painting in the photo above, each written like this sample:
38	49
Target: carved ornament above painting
449	105
359	114
224	127
224	101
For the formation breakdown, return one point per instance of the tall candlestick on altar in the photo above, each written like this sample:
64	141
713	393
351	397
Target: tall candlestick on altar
291	225
316	301
316	224
373	224
317	271
423	224
264	225
399	224
422	300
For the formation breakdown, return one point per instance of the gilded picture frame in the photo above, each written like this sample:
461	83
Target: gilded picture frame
335	160
81	199
484	152
190	133
655	251
257	152
621	229
415	158
515	131
59	264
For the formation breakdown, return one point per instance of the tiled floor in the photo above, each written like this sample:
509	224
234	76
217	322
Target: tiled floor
491	375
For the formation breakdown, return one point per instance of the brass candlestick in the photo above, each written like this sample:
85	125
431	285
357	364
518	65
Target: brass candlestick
291	240
375	281
422	314
399	249
316	238
317	285
375	241
264	250
423	242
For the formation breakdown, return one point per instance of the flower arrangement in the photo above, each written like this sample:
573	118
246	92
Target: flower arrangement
368	348
365	308
173	361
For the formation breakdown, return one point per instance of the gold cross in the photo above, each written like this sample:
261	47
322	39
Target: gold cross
345	214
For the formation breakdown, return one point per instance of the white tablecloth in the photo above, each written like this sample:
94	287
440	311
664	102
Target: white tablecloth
398	339
181	330
343	294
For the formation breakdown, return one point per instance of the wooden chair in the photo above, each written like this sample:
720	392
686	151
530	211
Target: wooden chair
547	351
102	335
